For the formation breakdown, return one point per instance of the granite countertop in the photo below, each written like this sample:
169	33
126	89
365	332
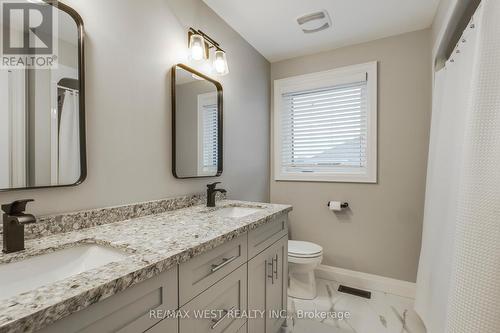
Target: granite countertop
153	243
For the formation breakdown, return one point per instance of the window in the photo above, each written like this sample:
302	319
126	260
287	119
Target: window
207	129
325	126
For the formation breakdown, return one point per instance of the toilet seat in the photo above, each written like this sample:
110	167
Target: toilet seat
302	249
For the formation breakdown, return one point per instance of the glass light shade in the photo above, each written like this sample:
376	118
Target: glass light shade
197	47
220	63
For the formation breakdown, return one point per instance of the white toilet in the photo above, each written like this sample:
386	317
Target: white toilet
303	258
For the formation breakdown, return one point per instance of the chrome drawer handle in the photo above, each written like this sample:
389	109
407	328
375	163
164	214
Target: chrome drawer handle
275	259
216	322
271	264
224	262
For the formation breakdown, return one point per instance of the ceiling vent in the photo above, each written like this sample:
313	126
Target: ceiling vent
314	22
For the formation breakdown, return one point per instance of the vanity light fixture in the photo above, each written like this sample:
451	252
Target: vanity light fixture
200	45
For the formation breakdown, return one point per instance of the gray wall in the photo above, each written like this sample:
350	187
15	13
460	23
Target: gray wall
68	53
130	47
382	233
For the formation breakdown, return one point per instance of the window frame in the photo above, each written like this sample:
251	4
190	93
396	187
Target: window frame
317	80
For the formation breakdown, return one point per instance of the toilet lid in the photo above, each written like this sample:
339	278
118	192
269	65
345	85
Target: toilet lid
301	248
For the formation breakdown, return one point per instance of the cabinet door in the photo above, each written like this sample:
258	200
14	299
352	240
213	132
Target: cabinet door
257	281
276	291
267	288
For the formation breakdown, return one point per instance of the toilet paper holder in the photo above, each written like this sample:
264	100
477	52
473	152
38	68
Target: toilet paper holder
343	205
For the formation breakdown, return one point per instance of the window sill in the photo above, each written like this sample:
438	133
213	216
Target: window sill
362	179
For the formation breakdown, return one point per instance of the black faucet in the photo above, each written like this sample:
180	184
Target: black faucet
14	220
211	191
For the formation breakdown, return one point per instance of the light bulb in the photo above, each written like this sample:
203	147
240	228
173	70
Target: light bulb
197	52
220	63
197	47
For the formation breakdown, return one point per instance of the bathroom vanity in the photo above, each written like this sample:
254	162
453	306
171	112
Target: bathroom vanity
158	269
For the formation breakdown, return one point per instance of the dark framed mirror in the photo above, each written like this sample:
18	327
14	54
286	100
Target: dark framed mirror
42	103
196	124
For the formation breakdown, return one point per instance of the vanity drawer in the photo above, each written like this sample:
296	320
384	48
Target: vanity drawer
125	312
230	293
201	272
264	236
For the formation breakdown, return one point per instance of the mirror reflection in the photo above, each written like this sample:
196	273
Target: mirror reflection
196	129
40	114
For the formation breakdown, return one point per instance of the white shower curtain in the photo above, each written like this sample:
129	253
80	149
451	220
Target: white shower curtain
69	140
458	283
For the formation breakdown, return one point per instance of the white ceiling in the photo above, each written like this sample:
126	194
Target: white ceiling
271	26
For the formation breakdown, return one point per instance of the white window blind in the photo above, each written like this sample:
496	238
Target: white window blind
209	146
326	126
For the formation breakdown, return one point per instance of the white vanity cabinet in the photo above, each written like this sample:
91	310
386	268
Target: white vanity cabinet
259	283
246	273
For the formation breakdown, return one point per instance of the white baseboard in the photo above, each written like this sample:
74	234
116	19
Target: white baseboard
366	281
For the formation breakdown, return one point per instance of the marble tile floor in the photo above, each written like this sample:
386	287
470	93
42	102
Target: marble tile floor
383	313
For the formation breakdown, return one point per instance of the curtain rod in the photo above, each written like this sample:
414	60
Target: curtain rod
66	88
461	27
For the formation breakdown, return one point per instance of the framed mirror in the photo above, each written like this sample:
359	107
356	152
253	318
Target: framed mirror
42	109
196	124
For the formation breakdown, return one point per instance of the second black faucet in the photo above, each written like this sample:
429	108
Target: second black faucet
211	192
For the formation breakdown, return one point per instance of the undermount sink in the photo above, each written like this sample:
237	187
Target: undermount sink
237	211
37	271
